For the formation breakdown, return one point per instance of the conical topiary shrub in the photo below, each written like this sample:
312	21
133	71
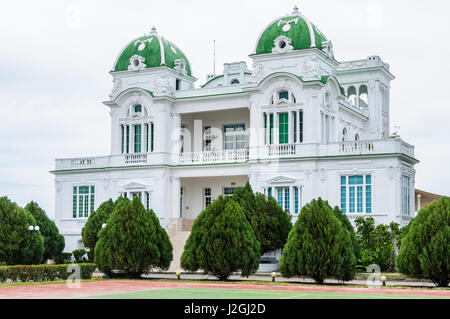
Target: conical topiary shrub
318	246
18	245
133	241
222	242
425	249
269	221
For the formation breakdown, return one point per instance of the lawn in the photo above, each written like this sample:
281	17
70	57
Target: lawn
207	293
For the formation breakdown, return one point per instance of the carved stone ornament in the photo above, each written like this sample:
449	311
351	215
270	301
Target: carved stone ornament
117	87
311	69
137	63
287	24
162	85
258	72
180	66
327	47
282	44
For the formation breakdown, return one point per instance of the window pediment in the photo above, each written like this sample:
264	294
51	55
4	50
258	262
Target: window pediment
281	180
134	185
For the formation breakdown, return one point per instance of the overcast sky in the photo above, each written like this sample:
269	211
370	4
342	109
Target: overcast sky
55	57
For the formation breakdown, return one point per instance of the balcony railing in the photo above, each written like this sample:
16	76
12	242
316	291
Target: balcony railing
225	156
391	146
282	150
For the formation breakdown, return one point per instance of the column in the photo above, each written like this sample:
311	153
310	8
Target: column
176	193
290	128
357	97
276	129
267	132
291	200
123	128
131	139
142	137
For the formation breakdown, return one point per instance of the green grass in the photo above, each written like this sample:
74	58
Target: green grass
40	283
207	293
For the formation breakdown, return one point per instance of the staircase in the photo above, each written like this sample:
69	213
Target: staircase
178	239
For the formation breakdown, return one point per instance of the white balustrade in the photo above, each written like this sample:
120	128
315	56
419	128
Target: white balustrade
390	146
135	158
282	150
224	156
357	147
83	161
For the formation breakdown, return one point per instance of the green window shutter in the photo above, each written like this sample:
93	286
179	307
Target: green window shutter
137	139
152	137
128	139
92	198
74	202
301	126
80	206
294	115
271	129
146	138
284	128
86	206
265	128
122	136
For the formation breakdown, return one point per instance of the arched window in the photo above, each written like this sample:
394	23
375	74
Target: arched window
363	96
283	96
136	131
356	141
351	94
138	108
235	81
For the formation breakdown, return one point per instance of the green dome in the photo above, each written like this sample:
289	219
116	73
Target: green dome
297	28
153	51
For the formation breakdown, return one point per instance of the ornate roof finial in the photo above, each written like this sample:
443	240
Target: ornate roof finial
295	12
153	30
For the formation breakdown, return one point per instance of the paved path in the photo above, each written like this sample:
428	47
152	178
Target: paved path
62	291
299	280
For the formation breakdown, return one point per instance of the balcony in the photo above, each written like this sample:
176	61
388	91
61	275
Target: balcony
392	146
379	147
225	156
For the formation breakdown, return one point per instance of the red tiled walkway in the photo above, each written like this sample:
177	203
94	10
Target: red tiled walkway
62	291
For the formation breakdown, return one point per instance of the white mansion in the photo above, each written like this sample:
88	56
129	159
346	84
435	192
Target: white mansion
299	125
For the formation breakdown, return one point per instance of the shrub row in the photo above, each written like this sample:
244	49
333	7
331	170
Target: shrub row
43	272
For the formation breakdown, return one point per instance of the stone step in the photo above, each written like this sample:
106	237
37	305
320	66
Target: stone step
178	240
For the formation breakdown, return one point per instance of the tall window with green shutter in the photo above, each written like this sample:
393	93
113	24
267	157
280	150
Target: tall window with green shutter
128	139
137	138
83	201
271	129
122	128
146	138
265	128
283	120
152	135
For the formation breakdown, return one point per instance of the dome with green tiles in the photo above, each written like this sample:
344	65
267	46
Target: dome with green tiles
152	51
290	33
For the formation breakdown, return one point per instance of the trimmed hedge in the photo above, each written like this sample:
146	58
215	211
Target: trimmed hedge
43	272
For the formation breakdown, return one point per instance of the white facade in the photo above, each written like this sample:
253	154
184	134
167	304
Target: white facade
313	127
